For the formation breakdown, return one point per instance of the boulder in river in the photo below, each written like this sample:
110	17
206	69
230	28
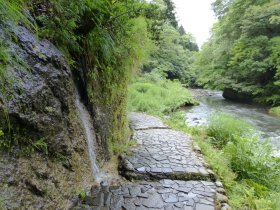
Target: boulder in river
234	95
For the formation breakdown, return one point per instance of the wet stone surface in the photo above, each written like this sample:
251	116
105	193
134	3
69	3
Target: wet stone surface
141	121
165	171
165	194
164	153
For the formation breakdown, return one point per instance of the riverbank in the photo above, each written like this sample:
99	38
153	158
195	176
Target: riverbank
245	165
275	111
212	102
244	191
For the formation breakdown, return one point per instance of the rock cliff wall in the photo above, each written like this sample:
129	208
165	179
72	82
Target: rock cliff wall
45	161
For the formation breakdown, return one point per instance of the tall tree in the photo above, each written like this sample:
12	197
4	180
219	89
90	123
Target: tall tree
171	13
242	52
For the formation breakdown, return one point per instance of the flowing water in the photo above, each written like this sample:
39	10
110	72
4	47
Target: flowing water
267	125
90	136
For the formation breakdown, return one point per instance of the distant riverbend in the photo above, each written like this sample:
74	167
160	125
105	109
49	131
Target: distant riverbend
212	101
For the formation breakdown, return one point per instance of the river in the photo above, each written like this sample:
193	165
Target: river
212	101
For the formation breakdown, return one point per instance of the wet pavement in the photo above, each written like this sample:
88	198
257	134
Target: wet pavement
163	171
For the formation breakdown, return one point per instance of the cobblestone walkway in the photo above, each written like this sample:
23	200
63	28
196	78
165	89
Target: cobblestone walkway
164	153
165	173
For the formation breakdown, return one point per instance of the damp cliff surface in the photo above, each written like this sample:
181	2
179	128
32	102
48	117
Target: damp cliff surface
46	161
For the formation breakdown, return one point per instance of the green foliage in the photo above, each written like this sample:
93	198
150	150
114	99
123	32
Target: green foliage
28	147
107	39
59	22
172	58
243	52
41	145
224	128
252	159
155	17
243	196
17	140
216	159
64	159
11	136
113	57
81	193
13	12
157	96
250	54
6	60
248	156
275	111
262	20
175	48
246	166
123	148
170	13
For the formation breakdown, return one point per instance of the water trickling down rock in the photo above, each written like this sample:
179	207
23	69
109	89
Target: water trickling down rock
89	135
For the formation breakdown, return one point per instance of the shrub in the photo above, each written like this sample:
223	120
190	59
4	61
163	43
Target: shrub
244	196
275	111
223	127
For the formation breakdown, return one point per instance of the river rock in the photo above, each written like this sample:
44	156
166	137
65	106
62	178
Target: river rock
239	96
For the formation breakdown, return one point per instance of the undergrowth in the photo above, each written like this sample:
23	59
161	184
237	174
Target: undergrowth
275	111
223	128
124	147
245	164
157	96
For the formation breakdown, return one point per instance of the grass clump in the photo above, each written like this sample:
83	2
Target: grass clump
223	128
123	148
253	160
152	96
245	164
275	111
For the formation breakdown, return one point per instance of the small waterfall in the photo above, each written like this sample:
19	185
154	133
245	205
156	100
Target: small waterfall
90	136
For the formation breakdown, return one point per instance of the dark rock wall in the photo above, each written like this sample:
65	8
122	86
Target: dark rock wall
234	95
41	105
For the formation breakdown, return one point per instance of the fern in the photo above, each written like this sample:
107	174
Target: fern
13	11
41	145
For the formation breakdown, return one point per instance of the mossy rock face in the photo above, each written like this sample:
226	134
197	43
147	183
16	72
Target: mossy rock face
41	94
39	104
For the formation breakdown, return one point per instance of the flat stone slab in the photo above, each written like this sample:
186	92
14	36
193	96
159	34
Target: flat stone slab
172	171
165	194
141	121
164	154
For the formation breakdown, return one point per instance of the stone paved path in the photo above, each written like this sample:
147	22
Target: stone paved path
166	173
141	121
164	153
